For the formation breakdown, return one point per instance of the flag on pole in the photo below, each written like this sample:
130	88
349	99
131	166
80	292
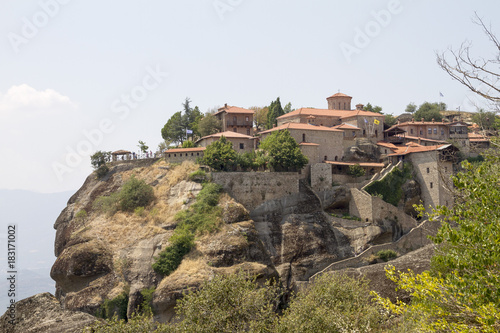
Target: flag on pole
188	131
366	121
376	121
441	94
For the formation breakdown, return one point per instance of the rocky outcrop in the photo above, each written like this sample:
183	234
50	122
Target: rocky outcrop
362	151
411	196
42	313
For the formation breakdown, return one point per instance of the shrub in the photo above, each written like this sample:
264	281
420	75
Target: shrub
114	307
135	193
99	160
390	187
146	306
108	204
387	255
356	171
81	215
198	176
139	211
333	303
181	243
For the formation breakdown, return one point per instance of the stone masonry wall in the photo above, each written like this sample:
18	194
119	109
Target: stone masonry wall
321	177
253	188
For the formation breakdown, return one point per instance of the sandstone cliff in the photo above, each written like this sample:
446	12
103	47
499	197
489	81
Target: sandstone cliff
101	256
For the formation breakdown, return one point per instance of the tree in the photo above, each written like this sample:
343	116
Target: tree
233	303
190	116
142	146
220	155
430	111
135	193
287	108
162	146
188	144
99	160
275	110
356	170
461	292
283	152
390	120
486	120
333	303
411	108
481	75
369	107
260	116
208	125
173	130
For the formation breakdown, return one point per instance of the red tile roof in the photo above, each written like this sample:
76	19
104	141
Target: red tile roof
475	137
228	134
414	148
424	139
184	150
387	144
329	113
347	127
301	126
339	94
234	109
363	164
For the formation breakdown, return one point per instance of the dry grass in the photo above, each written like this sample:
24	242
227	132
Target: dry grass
193	270
124	229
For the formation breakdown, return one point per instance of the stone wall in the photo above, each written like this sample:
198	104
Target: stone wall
321	177
176	157
253	188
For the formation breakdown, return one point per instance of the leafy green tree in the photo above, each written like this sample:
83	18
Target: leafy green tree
369	107
173	130
260	116
333	303
486	120
390	120
99	160
142	146
461	292
208	125
190	116
283	151
233	303
430	111
411	108
220	155
188	144
275	110
287	108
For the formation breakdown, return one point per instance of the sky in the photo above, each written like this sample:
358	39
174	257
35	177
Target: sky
80	76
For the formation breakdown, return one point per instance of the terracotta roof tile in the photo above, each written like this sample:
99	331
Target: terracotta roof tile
228	134
184	150
387	144
339	94
301	126
363	164
329	113
234	109
347	127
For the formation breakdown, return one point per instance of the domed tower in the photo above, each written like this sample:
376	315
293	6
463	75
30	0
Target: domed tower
339	101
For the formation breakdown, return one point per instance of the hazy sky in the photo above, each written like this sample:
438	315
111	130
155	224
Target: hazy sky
80	76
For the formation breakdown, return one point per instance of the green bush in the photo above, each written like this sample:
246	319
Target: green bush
114	307
102	171
390	188
181	243
387	255
356	170
139	211
203	216
198	176
81	215
135	193
146	307
108	204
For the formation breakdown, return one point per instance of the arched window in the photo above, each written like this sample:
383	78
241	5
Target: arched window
303	137
336	158
325	157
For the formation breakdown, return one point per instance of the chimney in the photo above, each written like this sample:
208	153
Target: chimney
225	105
433	120
422	119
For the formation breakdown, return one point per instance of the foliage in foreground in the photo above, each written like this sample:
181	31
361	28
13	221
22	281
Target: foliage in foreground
203	216
237	303
461	293
220	155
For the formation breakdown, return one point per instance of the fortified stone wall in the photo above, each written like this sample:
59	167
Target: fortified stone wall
321	177
253	188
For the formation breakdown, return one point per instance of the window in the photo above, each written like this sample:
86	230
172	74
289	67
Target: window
442	131
429	130
234	129
411	130
175	155
303	137
385	151
336	157
420	132
435	130
376	132
234	119
353	133
197	154
248	131
445	169
364	132
325	157
192	154
242	146
246	118
344	106
428	170
431	185
168	155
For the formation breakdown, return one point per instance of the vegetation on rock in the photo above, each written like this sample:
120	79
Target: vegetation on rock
99	160
461	293
390	186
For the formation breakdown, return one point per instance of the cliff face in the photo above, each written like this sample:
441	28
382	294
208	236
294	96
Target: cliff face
100	256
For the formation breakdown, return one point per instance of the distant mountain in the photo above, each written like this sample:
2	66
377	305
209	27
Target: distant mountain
34	215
